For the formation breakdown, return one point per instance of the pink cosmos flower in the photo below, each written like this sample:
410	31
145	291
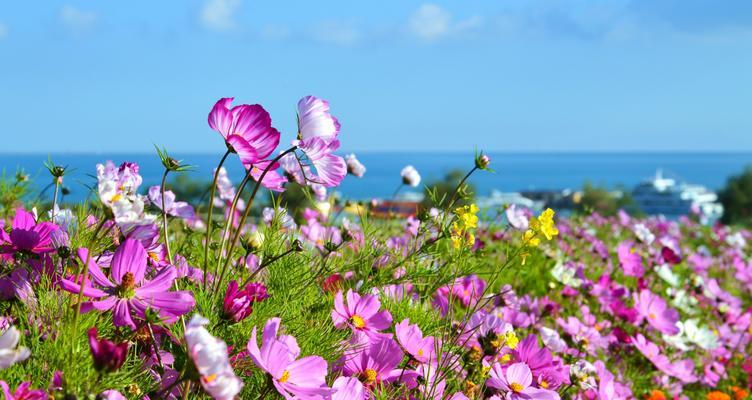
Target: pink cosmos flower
107	355
653	308
630	259
317	138
682	369
293	378
375	362
129	292
360	313
412	340
238	304
348	389
26	235
517	382
179	209
209	355
468	289
23	392
247	129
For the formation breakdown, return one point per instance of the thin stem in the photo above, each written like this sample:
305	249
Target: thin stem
459	186
164	218
248	207
54	198
209	216
264	265
396	191
156	346
228	223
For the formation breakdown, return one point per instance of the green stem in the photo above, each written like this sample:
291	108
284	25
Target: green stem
54	198
164	218
228	223
457	189
248	207
209	216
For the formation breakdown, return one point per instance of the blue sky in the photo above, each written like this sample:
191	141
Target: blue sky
504	75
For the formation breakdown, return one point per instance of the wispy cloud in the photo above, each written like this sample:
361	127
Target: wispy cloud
218	15
77	21
3	30
341	33
431	22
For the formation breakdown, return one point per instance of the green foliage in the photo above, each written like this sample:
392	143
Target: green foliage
603	201
13	190
736	198
440	192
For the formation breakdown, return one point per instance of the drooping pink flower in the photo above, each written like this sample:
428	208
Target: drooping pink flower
247	129
129	292
317	138
360	313
516	381
108	356
26	235
292	377
411	338
654	309
354	166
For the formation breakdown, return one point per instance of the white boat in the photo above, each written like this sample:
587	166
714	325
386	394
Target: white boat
665	196
498	199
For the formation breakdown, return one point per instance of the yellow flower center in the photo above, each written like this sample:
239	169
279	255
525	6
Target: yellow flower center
652	316
116	197
210	378
516	387
154	256
543	384
285	376
370	376
358	321
420	352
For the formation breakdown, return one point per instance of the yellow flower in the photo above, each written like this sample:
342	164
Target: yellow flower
467	216
547	225
512	340
530	238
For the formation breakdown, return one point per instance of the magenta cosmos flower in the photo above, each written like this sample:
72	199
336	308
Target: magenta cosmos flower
516	381
107	355
26	235
317	138
129	292
238	303
360	313
293	378
412	340
247	129
375	362
654	309
681	369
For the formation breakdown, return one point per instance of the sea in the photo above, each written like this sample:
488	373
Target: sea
512	171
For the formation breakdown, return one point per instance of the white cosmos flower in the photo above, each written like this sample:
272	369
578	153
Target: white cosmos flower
643	233
664	271
566	275
552	340
209	355
410	176
701	336
9	352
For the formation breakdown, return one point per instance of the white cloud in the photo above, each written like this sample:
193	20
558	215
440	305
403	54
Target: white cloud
341	33
77	21
430	22
219	15
3	30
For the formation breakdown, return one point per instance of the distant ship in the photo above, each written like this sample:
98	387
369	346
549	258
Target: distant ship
665	196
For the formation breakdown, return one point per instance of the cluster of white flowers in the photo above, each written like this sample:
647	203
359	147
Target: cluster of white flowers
117	187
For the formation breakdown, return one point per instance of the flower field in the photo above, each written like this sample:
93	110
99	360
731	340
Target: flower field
138	294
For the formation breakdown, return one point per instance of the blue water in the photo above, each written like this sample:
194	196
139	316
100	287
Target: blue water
514	171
